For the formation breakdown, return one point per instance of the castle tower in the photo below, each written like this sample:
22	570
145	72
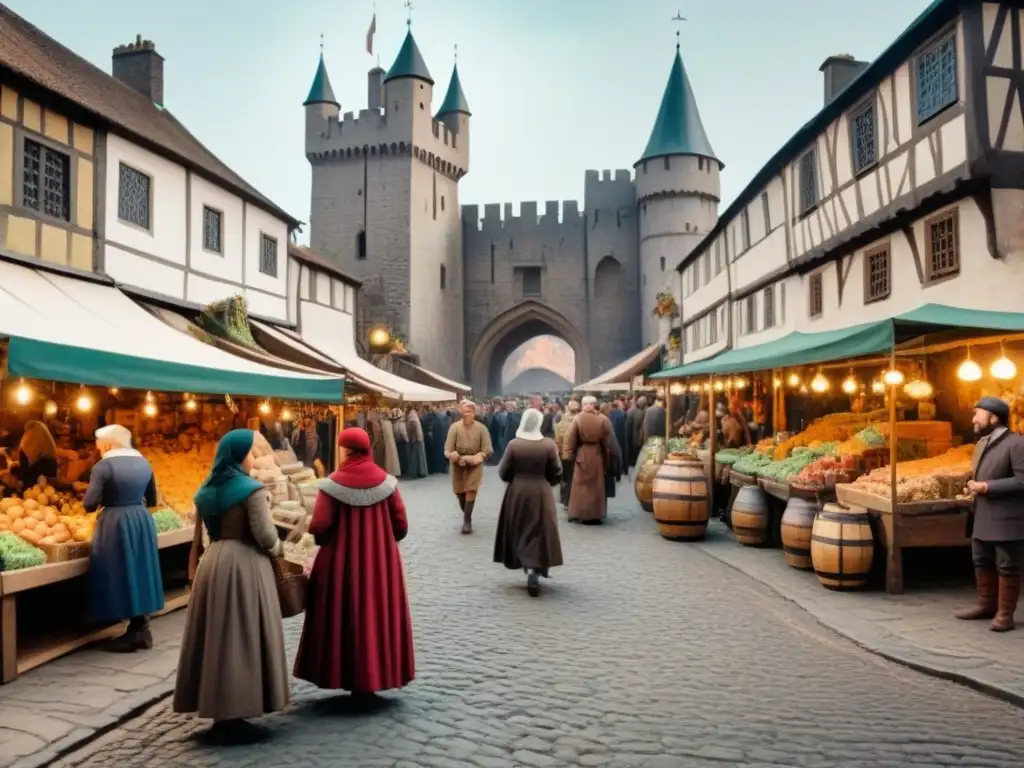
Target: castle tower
454	111
385	204
677	193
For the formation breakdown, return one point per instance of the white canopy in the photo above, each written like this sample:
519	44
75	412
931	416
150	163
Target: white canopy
618	378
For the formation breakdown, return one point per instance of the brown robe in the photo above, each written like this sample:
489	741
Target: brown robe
592	442
527	535
374	429
468	441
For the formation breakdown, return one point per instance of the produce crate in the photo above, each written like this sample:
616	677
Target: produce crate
62	553
872	459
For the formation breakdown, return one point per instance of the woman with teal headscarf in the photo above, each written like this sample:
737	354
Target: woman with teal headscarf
233	665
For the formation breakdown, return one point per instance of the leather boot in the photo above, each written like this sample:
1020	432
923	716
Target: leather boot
1009	592
467	517
988	589
137	637
533	584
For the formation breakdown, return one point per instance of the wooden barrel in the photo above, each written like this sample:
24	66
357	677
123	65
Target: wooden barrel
842	548
797	521
644	484
750	516
681	499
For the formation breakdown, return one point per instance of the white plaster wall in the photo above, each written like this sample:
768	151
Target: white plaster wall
786	292
266	305
322	286
257	223
166	238
305	280
294	273
139	272
228	264
202	290
977	268
763	258
338	301
707	295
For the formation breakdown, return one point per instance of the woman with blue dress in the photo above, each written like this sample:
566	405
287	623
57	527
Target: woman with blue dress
124	565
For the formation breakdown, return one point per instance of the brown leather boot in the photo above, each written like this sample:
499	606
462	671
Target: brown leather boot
467	517
136	638
1009	592
988	590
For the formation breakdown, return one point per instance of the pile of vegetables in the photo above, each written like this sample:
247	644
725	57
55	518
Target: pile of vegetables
751	464
826	471
867	439
940	477
16	553
781	471
167	520
729	456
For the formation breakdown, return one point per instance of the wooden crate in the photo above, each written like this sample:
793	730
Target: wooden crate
62	553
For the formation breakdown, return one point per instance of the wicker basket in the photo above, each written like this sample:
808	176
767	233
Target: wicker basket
61	553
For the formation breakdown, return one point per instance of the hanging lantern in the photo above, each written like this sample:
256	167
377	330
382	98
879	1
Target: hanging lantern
150	410
719	386
893	377
114	391
707	387
84	402
793	380
850	384
820	384
676	389
803	389
149	397
969	370
23	394
286	415
50	409
919	389
264	408
695	388
878	387
191	405
741	383
1004	368
777	382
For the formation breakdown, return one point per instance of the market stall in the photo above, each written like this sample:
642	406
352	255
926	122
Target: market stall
78	354
888	454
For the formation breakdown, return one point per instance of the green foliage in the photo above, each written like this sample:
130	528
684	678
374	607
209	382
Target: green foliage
16	553
167	520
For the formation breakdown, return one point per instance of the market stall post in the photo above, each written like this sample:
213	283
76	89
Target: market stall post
893	554
712	442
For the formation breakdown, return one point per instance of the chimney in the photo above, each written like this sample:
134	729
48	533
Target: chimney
139	66
375	99
840	70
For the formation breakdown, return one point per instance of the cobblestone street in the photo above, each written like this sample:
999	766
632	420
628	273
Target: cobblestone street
640	652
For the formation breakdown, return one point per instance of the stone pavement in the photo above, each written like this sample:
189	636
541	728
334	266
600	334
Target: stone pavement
639	653
916	628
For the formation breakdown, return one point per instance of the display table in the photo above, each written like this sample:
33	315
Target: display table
920	524
18	655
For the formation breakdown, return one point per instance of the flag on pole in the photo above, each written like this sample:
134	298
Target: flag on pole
370	33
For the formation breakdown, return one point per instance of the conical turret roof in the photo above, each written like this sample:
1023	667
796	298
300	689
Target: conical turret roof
321	91
455	99
678	129
409	62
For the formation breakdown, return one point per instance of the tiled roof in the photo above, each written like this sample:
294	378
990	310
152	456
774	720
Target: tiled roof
318	261
31	53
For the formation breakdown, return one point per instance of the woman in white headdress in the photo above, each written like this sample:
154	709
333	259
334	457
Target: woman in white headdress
124	565
527	535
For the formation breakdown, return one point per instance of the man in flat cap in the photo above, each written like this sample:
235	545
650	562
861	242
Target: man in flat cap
997	538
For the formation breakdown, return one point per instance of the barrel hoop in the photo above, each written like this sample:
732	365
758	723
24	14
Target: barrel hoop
841	576
842	542
842	517
797	551
741	530
678	496
681	523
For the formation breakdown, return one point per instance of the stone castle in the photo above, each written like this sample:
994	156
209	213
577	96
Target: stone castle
463	287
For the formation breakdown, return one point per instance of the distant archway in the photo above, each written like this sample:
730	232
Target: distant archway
608	278
509	330
547	361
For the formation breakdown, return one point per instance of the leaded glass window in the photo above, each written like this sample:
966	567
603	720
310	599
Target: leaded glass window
865	140
942	238
213	230
769	307
808	182
46	181
936	79
751	314
877	274
817	296
133	196
268	255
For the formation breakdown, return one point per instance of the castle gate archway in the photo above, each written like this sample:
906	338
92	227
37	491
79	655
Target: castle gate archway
510	329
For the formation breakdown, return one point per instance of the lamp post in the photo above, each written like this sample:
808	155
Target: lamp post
380	340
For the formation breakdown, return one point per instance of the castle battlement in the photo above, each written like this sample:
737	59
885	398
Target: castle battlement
565	214
622	176
609	190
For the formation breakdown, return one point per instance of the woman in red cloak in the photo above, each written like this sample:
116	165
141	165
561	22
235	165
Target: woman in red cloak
357	634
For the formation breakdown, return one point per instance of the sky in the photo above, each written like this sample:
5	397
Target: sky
555	88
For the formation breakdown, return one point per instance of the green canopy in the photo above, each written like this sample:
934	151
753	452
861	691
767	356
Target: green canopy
799	348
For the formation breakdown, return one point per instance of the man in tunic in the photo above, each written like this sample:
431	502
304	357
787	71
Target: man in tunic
562	443
634	431
997	535
618	419
592	443
468	446
512	420
547	426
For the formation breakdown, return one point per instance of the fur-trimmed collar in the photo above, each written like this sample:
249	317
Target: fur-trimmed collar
359	497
